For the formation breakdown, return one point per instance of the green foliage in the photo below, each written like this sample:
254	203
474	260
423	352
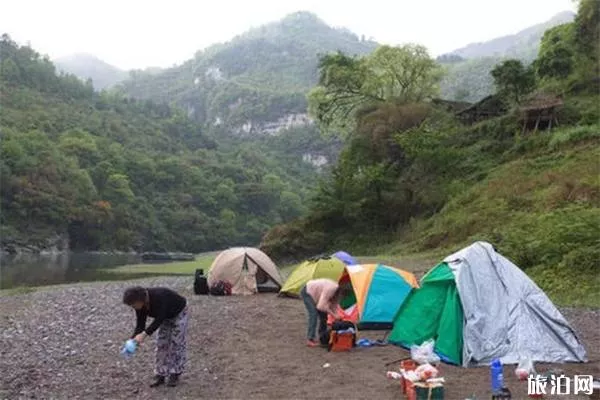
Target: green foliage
513	79
111	172
413	175
391	74
556	58
258	76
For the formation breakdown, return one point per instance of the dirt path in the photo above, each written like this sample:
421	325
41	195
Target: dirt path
64	343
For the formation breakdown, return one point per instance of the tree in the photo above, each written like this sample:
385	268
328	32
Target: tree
404	74
391	74
513	79
555	57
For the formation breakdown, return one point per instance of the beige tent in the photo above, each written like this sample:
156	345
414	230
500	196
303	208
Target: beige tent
249	271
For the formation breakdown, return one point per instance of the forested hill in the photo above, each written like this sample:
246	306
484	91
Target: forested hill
520	171
106	172
257	82
522	45
468	68
87	66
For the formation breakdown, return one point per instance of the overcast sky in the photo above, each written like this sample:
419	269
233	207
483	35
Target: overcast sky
142	33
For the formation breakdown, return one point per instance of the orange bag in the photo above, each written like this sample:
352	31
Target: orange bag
341	341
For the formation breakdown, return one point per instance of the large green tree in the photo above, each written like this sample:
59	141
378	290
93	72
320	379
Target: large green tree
390	74
513	79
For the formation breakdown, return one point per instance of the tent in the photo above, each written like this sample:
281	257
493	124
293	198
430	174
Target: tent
377	293
249	271
345	258
477	306
326	267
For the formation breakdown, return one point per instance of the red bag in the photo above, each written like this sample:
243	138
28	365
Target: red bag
341	341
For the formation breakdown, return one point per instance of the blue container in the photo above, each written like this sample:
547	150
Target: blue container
496	376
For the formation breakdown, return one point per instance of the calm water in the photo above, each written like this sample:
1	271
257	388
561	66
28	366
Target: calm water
40	270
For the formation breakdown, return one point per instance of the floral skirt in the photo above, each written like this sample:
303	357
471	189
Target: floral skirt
171	345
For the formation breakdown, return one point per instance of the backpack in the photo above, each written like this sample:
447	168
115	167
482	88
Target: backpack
221	288
200	282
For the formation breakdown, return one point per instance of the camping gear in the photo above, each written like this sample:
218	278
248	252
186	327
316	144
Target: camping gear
426	371
524	369
325	267
345	258
393	375
364	342
496	375
378	291
428	391
221	288
480	306
129	348
249	271
200	282
342	336
424	353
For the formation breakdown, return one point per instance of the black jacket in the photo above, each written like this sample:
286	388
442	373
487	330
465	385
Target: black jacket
163	304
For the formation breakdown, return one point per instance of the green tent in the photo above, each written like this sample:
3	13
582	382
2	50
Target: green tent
331	268
477	306
432	312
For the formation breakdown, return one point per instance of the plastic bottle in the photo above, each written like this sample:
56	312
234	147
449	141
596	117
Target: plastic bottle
129	348
496	375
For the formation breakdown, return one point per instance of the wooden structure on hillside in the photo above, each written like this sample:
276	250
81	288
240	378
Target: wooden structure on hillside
489	107
450	105
540	112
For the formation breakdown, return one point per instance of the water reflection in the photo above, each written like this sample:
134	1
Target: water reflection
56	268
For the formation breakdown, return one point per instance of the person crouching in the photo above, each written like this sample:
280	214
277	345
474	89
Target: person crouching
321	297
169	310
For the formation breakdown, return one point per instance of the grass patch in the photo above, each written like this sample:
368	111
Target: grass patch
174	268
17	291
568	288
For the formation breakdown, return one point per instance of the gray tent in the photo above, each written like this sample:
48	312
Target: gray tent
477	306
506	314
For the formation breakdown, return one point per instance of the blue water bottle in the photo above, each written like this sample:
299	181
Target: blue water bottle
496	375
129	348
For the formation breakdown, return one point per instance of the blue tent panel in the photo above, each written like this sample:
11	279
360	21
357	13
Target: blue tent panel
387	292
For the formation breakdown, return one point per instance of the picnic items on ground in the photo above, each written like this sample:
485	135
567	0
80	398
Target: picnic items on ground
424	353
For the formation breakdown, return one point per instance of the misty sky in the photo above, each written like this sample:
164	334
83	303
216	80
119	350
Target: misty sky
138	34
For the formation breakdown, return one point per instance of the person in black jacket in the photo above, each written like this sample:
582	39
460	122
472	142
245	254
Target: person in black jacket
169	310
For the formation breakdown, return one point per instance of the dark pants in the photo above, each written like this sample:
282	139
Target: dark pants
313	315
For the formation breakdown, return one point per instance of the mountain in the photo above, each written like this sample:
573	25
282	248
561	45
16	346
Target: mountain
86	66
522	45
255	84
468	68
101	171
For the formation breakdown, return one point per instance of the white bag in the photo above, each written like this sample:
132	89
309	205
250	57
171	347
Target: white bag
525	368
424	353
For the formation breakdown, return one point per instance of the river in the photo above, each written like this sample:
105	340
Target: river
52	269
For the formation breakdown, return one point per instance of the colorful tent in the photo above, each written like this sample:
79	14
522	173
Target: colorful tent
249	271
477	306
378	291
326	267
345	258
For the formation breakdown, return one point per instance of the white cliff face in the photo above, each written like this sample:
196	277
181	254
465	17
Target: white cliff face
317	160
273	128
286	122
214	73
